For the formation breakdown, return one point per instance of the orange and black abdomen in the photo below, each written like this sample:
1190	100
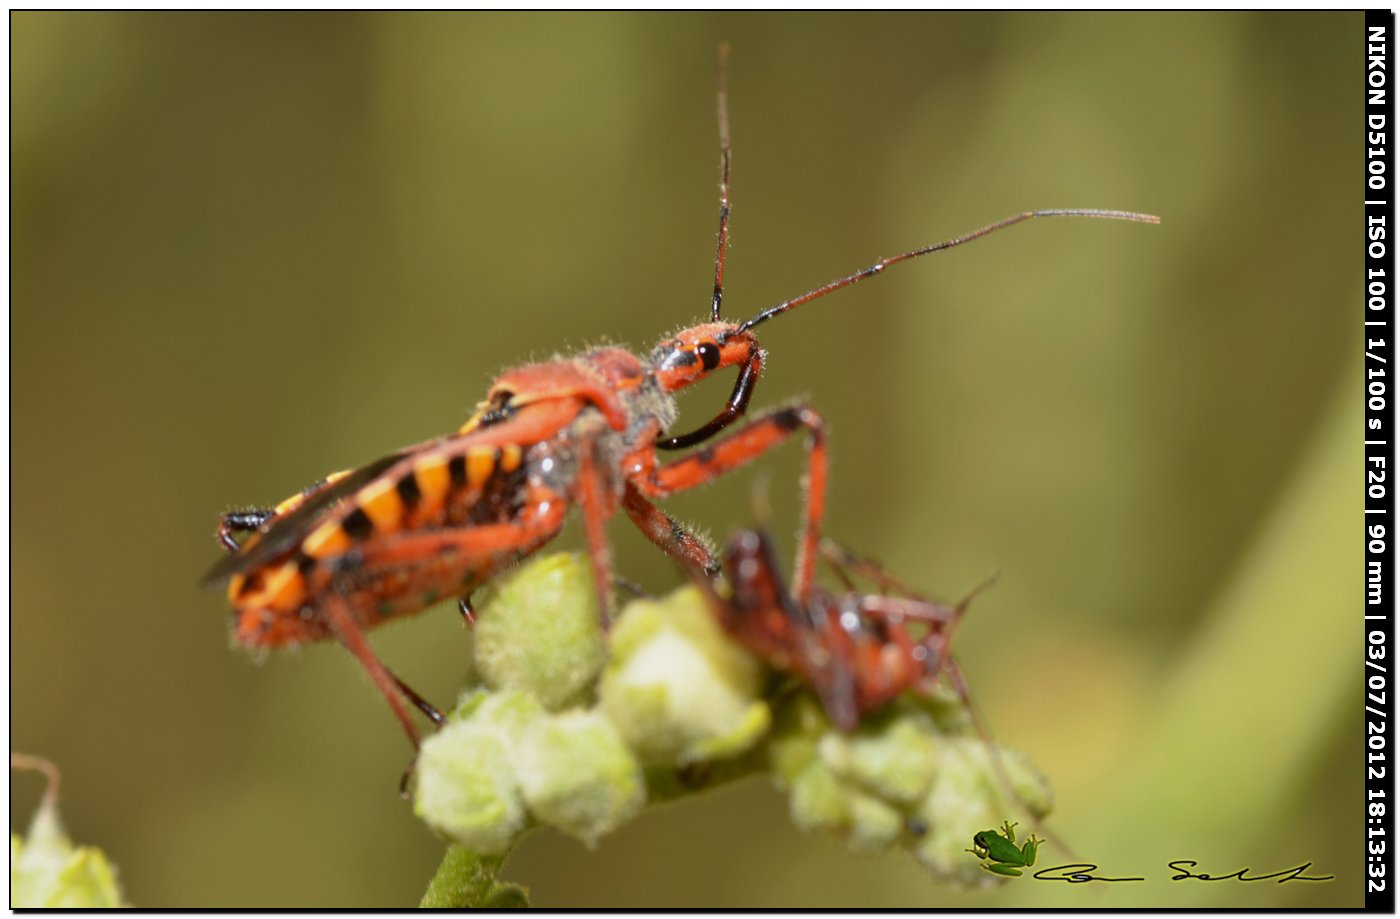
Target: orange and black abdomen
275	594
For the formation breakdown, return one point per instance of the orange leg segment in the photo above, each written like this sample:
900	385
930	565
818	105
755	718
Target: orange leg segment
668	533
595	515
349	635
734	450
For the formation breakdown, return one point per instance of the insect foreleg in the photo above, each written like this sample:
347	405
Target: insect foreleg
669	534
748	443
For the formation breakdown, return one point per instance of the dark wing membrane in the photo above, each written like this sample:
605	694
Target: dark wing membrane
286	532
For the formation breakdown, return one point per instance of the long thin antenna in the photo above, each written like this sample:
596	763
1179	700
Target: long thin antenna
938	247
722	104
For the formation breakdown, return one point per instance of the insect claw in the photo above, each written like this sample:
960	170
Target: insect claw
407	777
464	606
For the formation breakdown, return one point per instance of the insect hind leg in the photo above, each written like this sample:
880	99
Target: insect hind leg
423	705
349	634
244	521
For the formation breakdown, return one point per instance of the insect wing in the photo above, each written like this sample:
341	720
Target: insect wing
287	531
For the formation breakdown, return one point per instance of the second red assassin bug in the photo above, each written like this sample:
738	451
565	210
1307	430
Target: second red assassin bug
438	519
857	651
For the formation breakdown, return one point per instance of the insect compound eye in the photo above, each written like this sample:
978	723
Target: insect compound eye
708	353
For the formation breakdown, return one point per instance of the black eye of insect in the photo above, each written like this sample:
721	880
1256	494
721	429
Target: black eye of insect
708	353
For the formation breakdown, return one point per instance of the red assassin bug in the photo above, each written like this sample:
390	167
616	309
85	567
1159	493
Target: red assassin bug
438	519
856	650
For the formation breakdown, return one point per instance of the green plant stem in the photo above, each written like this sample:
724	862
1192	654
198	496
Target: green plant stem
466	880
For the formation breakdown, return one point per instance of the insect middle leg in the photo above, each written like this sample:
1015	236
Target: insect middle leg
728	453
843	562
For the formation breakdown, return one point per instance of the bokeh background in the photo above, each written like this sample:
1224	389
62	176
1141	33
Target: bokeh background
249	249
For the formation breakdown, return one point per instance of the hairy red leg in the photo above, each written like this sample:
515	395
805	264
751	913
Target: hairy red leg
742	446
893	610
669	534
595	515
348	634
833	653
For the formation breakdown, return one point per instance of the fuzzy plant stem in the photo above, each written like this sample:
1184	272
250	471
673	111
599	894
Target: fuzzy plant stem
466	880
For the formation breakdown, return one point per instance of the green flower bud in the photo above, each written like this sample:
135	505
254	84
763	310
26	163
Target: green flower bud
875	824
818	800
540	633
678	688
966	798
512	714
679	706
576	774
48	872
891	756
855	785
792	745
466	787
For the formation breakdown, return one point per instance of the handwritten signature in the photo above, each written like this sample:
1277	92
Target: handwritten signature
1082	873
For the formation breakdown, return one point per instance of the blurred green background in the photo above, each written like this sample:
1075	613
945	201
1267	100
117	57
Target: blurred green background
249	249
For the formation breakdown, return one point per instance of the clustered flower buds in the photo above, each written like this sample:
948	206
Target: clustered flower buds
562	734
48	872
